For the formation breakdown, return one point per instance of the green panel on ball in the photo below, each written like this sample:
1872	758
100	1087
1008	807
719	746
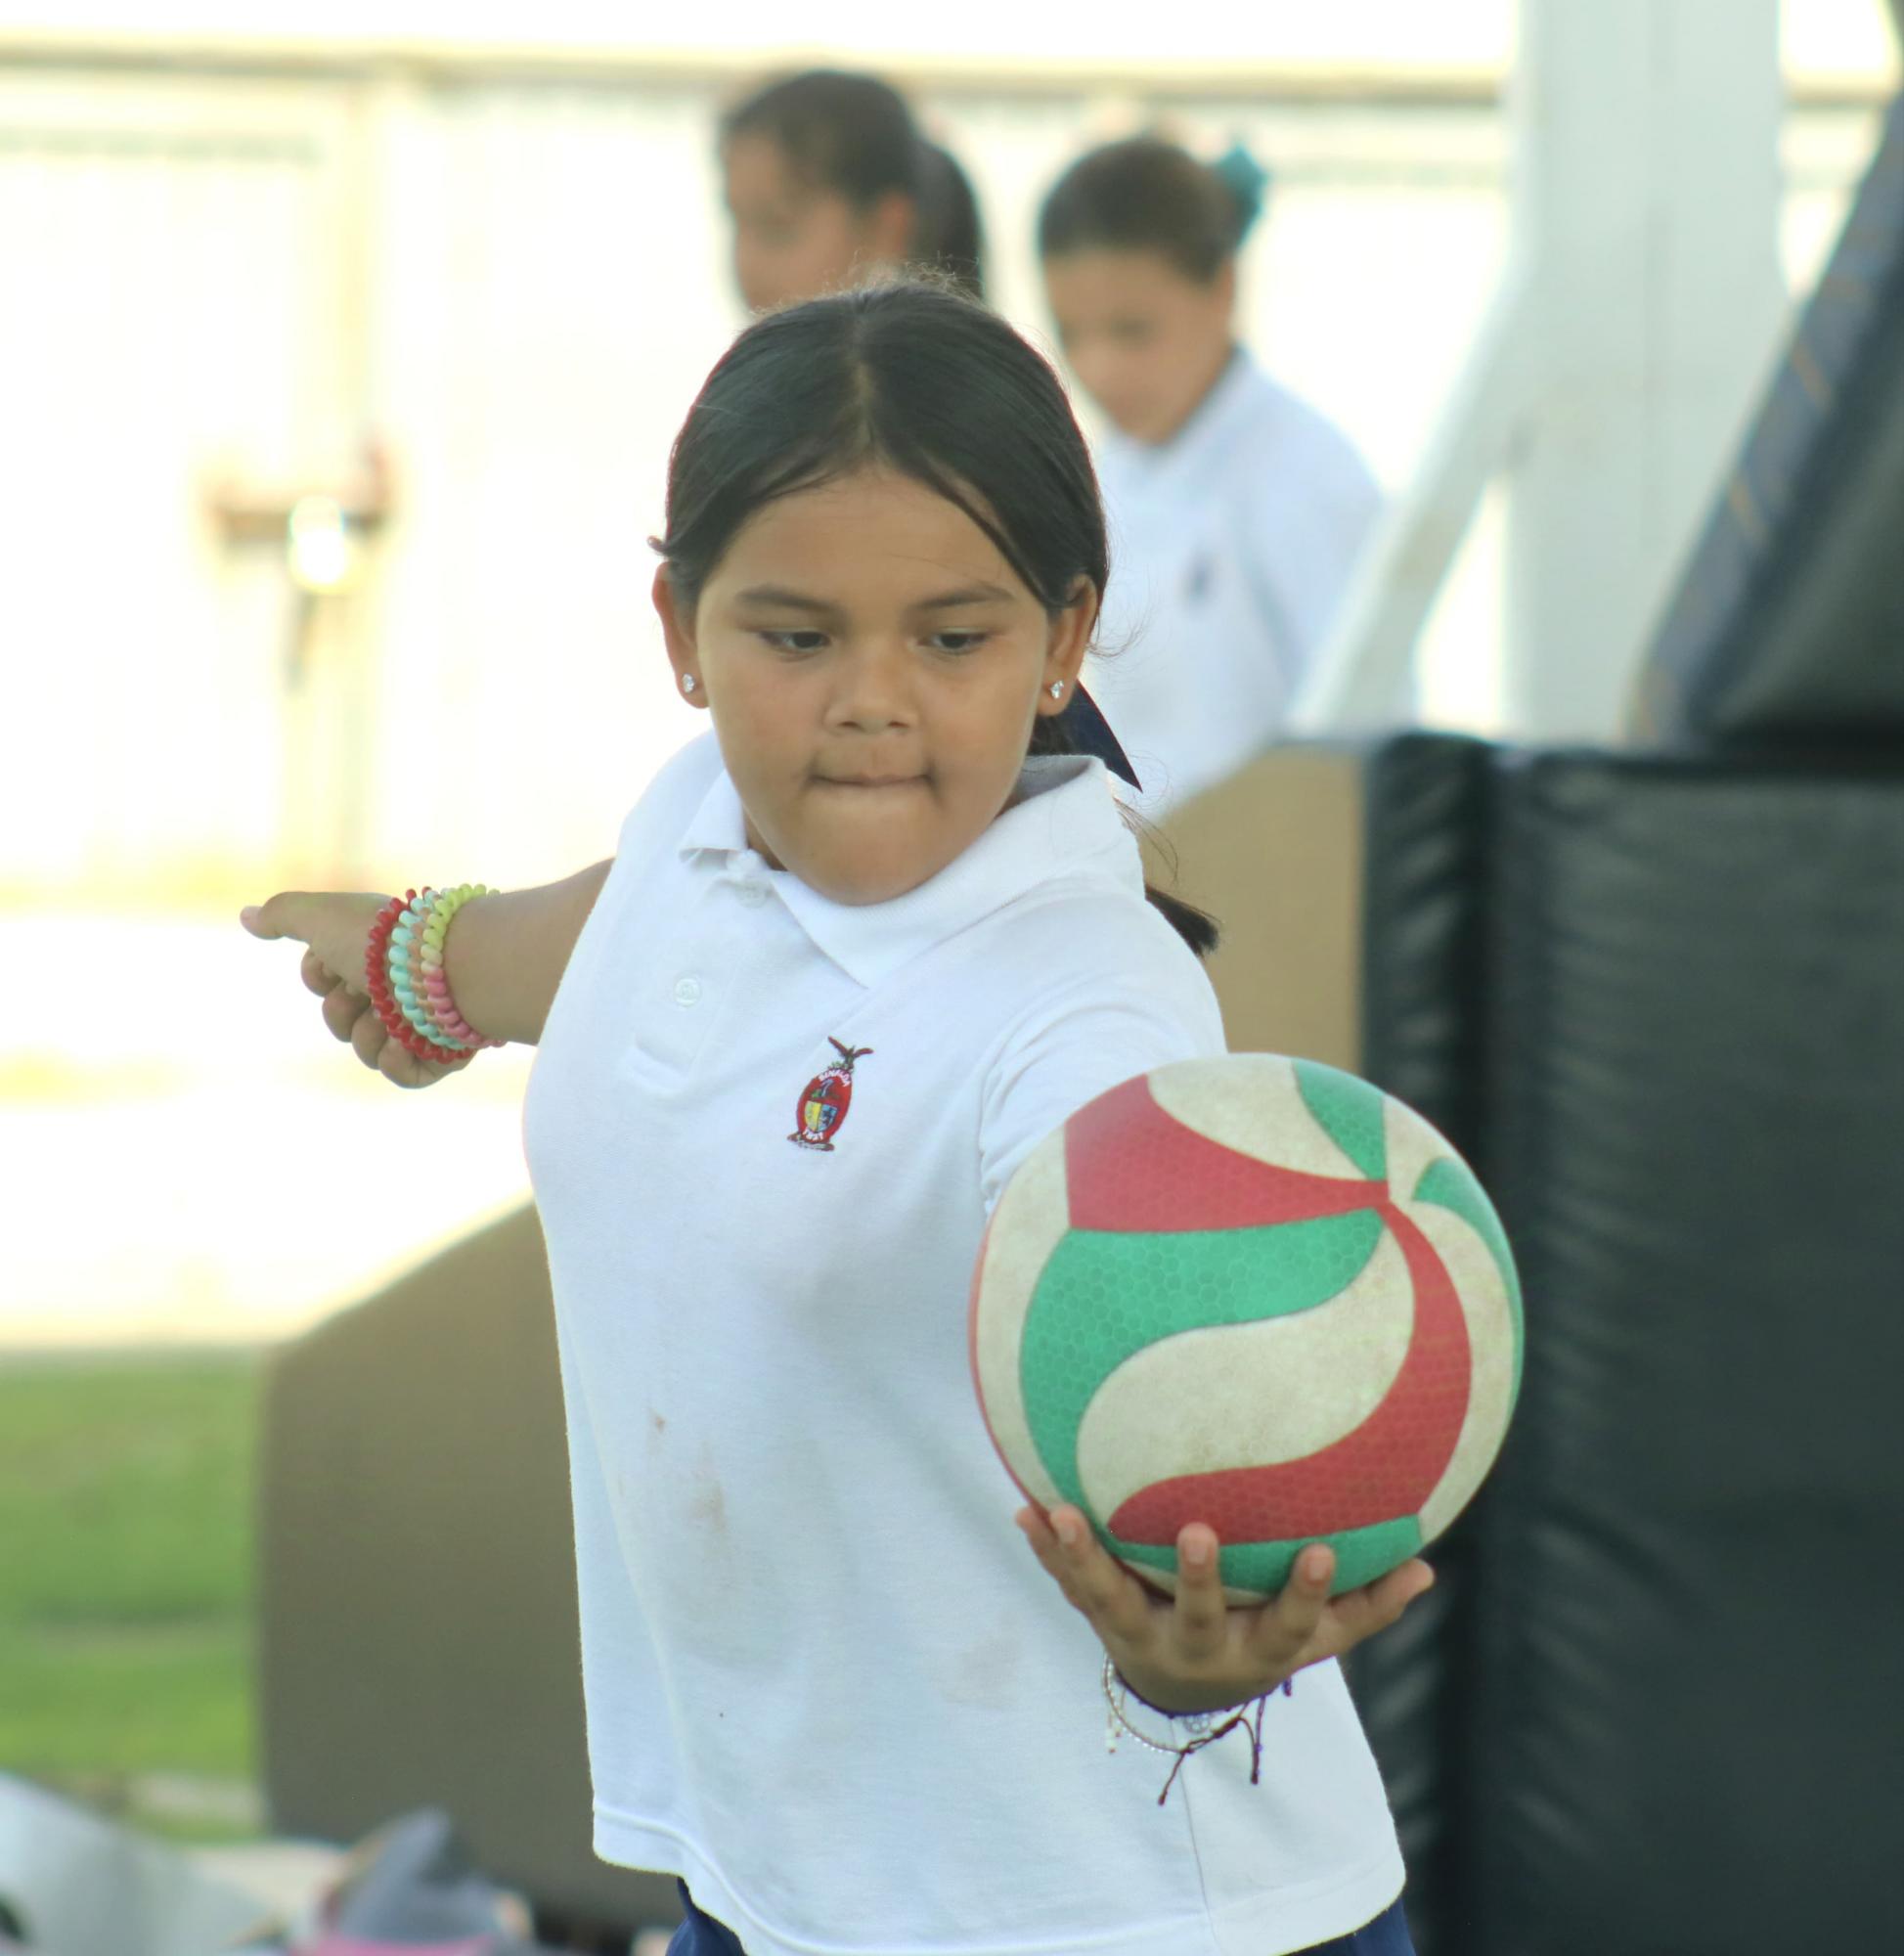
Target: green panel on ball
1450	1184
1361	1555
1352	1112
1104	1296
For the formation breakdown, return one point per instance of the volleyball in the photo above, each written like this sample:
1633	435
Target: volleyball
1253	1292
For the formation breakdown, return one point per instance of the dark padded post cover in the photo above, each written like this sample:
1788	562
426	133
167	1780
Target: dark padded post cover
1685	1699
1788	625
1425	801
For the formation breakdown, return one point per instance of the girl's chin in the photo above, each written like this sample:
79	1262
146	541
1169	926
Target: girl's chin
848	877
859	890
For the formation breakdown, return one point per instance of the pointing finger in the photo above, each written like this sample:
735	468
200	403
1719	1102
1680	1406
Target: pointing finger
276	917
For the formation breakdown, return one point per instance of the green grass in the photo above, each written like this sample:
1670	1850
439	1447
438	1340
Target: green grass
125	1571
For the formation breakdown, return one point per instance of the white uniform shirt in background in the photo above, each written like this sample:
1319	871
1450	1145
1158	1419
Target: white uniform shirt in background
826	1681
1231	548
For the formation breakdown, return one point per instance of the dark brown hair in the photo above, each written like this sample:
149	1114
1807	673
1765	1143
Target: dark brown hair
1147	194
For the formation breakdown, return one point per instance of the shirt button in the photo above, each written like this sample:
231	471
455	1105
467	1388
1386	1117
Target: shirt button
687	992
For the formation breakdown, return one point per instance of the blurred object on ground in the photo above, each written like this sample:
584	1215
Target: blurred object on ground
75	1885
281	1877
72	1884
411	1886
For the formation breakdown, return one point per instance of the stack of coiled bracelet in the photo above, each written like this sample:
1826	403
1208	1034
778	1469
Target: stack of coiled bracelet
403	971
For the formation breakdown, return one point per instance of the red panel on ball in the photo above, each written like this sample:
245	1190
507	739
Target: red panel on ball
1130	1167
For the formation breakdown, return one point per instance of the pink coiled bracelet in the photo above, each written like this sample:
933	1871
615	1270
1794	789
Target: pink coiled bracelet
403	971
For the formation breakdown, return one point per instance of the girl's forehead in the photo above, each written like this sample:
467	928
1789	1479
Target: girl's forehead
1106	275
875	528
758	168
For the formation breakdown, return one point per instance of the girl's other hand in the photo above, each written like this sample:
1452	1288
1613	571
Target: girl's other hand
335	927
1194	1653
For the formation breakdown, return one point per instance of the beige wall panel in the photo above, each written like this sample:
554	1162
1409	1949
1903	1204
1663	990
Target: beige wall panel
1276	854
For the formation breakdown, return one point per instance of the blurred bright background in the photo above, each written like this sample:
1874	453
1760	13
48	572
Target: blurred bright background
262	260
340	351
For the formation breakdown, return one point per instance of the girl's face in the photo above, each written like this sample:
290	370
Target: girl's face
793	239
873	666
1147	342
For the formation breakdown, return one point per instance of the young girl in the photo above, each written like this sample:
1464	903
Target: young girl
1238	510
827	178
856	955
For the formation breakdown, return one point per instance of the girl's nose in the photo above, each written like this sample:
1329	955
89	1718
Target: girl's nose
876	689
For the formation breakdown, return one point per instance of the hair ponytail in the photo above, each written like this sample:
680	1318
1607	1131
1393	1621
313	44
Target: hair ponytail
1051	735
950	237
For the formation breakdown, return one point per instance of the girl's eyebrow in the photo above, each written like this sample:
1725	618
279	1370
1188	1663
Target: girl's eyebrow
971	594
781	596
781	599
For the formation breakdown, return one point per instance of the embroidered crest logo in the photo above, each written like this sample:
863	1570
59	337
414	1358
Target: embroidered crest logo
824	1103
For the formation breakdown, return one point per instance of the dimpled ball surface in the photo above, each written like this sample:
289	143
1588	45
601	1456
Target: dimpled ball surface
1253	1292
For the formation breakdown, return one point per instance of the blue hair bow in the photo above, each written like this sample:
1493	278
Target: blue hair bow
1247	181
1089	733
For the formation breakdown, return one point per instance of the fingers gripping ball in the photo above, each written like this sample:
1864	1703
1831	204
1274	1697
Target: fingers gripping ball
1253	1292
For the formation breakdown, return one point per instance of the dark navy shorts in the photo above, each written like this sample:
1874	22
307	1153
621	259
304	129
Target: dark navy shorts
1386	1936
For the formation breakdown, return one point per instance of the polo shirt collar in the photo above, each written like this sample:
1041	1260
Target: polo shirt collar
1063	822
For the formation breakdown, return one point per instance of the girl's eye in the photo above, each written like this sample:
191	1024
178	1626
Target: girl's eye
957	642
795	641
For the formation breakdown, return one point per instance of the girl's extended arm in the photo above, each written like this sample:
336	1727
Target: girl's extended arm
504	957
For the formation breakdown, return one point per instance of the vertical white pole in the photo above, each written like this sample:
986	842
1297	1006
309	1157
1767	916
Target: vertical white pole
1647	186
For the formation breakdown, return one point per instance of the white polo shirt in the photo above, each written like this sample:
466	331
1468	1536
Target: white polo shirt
826	1681
1231	547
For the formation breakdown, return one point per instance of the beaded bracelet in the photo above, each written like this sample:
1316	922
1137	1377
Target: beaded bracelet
450	1024
402	969
416	968
403	972
1202	1724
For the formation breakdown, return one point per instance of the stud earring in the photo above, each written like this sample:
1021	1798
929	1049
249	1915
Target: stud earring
688	682
1057	688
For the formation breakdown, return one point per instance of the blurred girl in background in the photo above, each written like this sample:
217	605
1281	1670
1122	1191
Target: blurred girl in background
827	178
1238	510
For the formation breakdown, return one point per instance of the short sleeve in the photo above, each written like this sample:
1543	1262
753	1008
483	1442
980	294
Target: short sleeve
656	820
1082	1046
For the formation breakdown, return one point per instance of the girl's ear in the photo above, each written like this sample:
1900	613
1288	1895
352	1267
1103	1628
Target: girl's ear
1065	646
1224	287
677	632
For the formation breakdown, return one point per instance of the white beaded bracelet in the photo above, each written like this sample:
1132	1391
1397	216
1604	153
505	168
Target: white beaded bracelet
1202	1724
